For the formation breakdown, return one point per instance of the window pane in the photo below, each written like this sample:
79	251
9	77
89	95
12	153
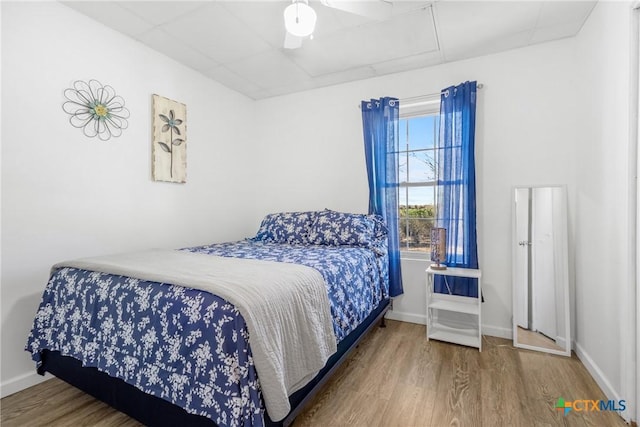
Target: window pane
422	166
402	134
418	137
402	201
403	216
421	196
422	132
403	161
417	214
415	234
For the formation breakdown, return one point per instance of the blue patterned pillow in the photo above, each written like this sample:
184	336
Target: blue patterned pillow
379	226
286	227
332	228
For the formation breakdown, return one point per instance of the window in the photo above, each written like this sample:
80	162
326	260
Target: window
418	159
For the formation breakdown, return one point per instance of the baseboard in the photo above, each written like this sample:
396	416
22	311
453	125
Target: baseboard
497	331
493	331
601	380
596	373
406	317
21	382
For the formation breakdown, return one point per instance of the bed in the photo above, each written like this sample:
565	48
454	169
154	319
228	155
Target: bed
170	353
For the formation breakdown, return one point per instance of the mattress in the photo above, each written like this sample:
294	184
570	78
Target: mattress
188	346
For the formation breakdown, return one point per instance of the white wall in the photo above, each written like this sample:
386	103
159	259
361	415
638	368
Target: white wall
312	155
602	193
66	196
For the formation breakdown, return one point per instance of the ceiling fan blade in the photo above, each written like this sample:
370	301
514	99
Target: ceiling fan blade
379	10
291	41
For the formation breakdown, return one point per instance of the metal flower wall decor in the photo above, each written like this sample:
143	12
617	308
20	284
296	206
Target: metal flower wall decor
96	109
169	140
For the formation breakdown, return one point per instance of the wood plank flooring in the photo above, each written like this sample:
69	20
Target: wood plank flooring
394	378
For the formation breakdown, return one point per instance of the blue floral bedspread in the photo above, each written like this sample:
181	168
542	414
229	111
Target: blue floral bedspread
188	346
355	276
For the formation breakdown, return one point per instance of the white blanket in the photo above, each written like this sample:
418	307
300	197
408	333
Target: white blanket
285	307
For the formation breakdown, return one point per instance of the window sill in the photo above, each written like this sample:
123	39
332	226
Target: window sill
415	256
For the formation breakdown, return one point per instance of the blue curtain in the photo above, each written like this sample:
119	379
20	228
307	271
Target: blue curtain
380	128
457	186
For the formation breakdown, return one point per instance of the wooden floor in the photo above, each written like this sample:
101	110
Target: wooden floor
394	378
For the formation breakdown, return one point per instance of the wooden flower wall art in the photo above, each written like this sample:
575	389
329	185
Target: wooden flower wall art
169	140
96	109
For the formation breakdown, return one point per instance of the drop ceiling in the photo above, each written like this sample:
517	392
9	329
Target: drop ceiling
240	43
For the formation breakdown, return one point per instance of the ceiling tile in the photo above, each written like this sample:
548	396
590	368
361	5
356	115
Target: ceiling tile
555	32
332	20
474	24
232	80
159	12
259	94
112	15
402	7
486	47
269	70
161	41
216	33
342	19
344	76
264	19
291	88
401	36
408	63
561	12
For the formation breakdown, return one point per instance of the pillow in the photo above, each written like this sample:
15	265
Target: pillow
286	227
379	226
332	228
380	243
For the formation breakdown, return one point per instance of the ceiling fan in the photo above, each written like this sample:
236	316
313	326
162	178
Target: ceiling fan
300	18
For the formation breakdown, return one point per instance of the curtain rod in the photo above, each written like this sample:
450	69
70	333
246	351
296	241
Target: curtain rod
429	95
426	97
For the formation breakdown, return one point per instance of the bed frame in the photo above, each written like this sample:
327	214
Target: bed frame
154	411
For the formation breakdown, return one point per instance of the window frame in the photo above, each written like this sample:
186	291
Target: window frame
418	107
